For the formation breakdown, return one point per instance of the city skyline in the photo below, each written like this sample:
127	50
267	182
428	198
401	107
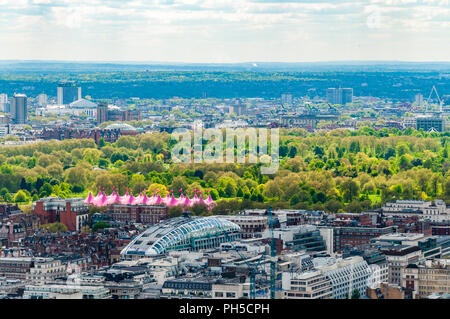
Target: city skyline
194	31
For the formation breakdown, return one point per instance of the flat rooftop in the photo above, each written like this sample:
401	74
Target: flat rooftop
401	236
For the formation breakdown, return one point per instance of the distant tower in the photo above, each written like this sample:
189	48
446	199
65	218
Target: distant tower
3	103
102	112
42	100
332	97
346	95
418	99
68	92
286	99
19	108
340	96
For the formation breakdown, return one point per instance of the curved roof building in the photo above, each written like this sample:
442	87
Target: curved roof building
121	126
83	104
182	233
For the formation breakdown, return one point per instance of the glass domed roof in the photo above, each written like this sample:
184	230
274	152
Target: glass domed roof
121	126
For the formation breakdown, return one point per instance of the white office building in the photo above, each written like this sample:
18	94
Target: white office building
45	270
59	291
3	102
346	275
436	211
378	273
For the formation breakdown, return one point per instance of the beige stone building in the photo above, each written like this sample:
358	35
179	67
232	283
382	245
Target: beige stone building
426	278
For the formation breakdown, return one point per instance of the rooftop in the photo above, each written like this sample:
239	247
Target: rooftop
176	231
400	236
121	126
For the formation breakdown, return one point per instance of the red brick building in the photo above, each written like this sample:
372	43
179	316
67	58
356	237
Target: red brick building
9	209
72	212
357	237
105	114
440	229
294	218
251	226
409	224
144	214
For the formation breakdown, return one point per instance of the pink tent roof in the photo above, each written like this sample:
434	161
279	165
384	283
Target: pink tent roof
99	195
131	200
201	201
112	198
138	200
89	198
167	199
124	199
145	199
187	201
100	200
173	201
128	199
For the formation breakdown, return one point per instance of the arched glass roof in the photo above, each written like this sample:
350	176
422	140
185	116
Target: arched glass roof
121	126
197	228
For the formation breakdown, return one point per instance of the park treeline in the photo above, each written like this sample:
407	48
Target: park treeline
339	170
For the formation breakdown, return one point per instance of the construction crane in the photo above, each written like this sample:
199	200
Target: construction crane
253	269
273	255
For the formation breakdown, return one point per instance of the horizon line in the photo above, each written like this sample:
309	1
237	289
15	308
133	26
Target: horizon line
236	62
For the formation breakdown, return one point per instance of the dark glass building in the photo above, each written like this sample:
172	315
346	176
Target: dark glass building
19	108
68	92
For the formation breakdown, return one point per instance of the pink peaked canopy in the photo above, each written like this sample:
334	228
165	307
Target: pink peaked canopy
89	199
128	199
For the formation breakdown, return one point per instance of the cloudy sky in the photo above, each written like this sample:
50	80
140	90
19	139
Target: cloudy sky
225	30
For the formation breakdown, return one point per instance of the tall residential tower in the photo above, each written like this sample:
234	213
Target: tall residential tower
19	108
68	92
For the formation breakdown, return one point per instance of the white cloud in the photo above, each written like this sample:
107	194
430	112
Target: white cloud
240	29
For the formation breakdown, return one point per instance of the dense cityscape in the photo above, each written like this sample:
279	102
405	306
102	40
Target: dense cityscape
95	207
224	158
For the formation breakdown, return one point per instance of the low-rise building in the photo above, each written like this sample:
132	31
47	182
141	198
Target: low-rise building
230	290
399	257
10	286
59	291
379	268
252	226
72	212
15	267
357	237
436	211
144	214
307	285
183	288
300	237
45	270
426	278
386	291
126	289
346	275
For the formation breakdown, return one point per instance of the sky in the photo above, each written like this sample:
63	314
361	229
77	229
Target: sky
225	31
